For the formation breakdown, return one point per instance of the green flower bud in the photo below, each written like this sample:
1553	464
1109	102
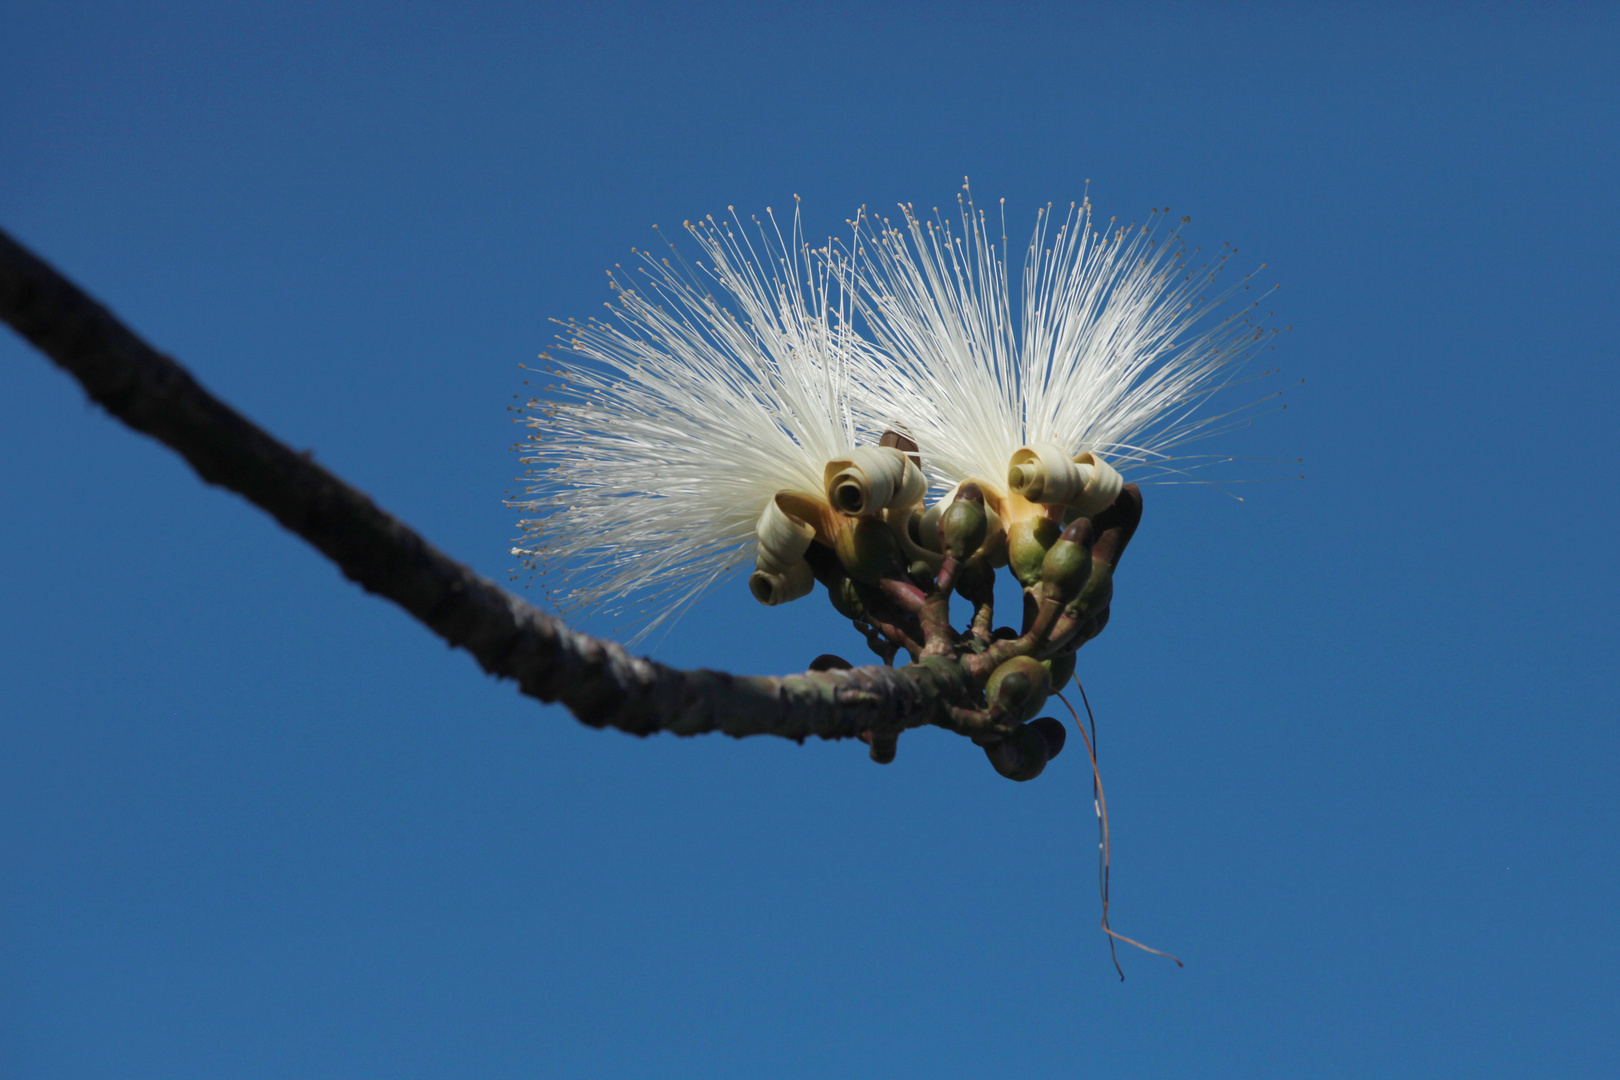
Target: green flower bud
1018	688
1060	669
1067	566
1027	544
964	525
914	528
867	550
1097	594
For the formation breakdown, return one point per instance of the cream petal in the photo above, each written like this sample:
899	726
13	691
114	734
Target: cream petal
783	537
781	571
1044	473
792	583
1102	484
870	479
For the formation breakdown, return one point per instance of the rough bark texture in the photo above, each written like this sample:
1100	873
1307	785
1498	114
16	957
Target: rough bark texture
987	683
598	681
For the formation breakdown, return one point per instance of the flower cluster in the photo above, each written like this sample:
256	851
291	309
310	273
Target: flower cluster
768	399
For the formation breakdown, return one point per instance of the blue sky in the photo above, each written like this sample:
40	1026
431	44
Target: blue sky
1357	730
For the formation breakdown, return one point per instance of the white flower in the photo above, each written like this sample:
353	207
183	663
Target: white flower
712	388
1112	353
727	408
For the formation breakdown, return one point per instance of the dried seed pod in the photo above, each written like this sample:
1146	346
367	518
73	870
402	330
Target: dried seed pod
902	443
1053	731
1116	525
1021	756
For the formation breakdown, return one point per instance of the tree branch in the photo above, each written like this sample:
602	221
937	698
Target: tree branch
602	684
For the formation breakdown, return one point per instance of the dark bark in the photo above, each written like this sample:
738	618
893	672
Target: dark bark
602	684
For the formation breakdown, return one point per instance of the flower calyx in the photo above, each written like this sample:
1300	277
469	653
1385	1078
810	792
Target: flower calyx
891	567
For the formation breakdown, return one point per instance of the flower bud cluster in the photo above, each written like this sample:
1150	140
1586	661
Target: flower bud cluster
870	514
891	564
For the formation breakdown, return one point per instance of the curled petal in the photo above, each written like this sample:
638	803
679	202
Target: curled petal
784	536
870	479
781	571
771	589
1102	486
1044	473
